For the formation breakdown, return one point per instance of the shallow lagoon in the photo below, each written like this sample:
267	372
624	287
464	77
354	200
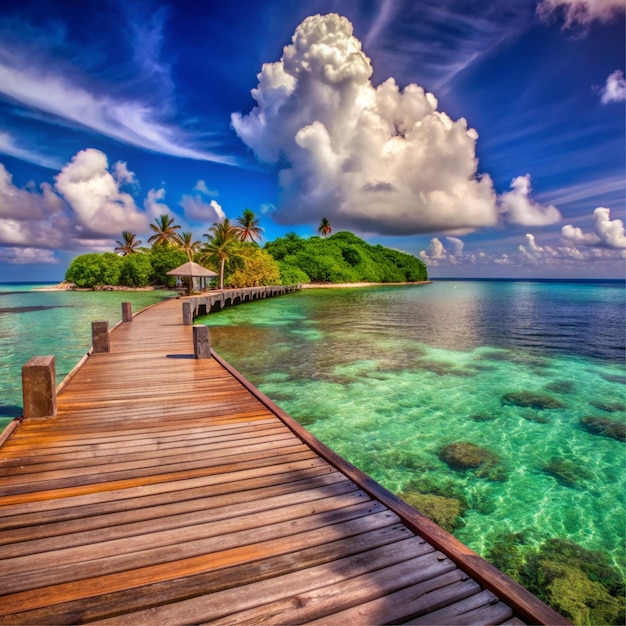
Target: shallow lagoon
389	376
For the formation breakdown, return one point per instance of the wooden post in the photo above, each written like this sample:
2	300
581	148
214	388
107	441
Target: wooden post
39	387
127	311
100	337
201	345
187	313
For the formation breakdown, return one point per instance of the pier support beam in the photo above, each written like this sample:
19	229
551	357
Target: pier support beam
187	313
39	387
201	344
127	311
100	337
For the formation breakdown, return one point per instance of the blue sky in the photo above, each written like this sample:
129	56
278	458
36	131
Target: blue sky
486	137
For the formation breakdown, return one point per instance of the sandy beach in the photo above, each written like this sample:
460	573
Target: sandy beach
347	285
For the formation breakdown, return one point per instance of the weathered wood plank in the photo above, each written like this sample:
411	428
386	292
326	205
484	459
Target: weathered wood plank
467	611
73	520
182	567
176	515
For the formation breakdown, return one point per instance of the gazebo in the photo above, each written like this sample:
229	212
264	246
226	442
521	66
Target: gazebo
192	271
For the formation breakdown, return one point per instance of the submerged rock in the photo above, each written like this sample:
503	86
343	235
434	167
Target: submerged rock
561	386
580	584
464	455
532	399
535	417
565	471
443	511
604	426
483	417
610	407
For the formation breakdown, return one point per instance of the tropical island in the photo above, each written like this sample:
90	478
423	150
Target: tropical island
233	252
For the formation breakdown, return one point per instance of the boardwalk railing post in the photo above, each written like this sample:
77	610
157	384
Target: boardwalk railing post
187	313
127	311
201	345
39	387
100	337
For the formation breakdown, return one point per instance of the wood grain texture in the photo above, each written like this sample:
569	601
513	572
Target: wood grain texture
169	490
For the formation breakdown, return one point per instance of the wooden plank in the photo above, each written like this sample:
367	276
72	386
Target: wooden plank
468	611
142	604
423	598
172	516
119	555
248	599
46	510
115	485
182	567
73	520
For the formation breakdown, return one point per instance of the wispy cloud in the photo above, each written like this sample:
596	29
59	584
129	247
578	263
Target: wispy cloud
581	12
440	55
9	145
128	121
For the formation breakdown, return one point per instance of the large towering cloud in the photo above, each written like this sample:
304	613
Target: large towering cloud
378	159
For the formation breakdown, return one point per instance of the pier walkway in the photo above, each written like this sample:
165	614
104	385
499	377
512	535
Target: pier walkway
168	490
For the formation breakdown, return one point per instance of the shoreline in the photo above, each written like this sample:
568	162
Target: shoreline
360	285
70	287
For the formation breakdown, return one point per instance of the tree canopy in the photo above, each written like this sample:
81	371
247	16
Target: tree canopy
343	257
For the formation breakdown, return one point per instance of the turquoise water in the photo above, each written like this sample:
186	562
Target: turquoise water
389	376
38	323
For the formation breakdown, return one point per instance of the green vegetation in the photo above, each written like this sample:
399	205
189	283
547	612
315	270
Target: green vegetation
581	584
342	258
234	253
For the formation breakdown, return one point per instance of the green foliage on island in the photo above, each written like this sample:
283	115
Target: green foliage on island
342	258
234	254
141	269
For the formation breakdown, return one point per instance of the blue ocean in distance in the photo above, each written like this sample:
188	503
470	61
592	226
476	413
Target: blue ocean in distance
389	376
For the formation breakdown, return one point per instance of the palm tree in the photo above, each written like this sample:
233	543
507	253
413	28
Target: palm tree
222	241
164	230
186	243
324	227
248	228
128	245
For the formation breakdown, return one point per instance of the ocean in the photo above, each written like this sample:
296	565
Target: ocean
527	378
393	377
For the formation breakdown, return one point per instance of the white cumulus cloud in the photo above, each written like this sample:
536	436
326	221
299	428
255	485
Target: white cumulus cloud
437	254
581	12
94	194
196	209
201	187
376	159
518	206
607	233
151	204
614	89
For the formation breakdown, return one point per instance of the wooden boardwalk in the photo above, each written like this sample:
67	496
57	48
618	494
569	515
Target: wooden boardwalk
169	491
